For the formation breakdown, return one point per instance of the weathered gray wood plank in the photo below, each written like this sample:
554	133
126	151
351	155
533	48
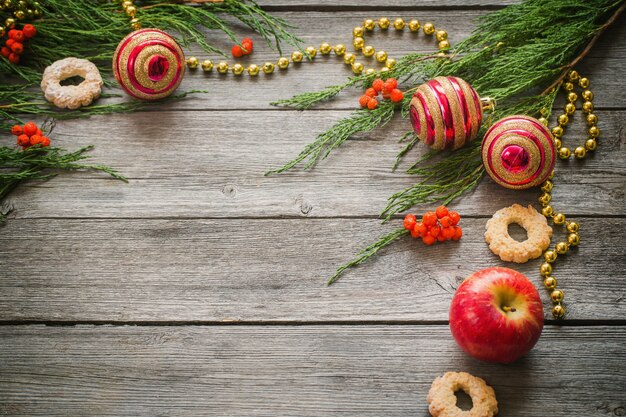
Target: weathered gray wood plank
211	164
376	4
271	270
293	371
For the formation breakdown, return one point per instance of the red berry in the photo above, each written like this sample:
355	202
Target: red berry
39	132
14	58
17	48
429	219
247	47
11	33
246	40
35	140
378	84
30	129
45	141
409	221
441	237
29	31
421	228
237	51
9	43
371	92
415	233
447	232
458	232
391	83
386	94
5	52
17	130
428	239
454	217
23	140
372	104
441	211
446	221
364	100
396	95
16	35
434	231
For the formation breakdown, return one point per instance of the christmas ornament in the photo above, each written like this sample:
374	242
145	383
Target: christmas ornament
446	113
71	96
518	152
149	64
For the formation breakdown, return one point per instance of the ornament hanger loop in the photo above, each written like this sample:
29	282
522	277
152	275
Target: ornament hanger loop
488	103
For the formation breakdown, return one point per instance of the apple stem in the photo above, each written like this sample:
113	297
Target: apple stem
508	309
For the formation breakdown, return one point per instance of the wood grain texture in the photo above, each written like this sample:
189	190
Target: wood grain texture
272	270
294	371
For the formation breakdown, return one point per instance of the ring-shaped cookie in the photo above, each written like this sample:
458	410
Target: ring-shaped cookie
71	96
509	249
442	401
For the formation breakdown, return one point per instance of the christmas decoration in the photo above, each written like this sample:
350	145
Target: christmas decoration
71	96
388	90
29	135
148	64
442	399
14	45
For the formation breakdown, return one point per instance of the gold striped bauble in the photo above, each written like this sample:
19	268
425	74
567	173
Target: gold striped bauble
446	113
518	152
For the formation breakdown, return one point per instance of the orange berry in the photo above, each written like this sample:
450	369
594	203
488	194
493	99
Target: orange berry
236	51
441	238
430	218
415	233
386	95
441	211
446	221
35	140
409	221
45	141
371	92
23	140
30	128
391	83
447	232
396	95
29	31
378	84
17	47
434	231
458	232
39	132
5	51
372	104
17	130
9	42
428	239
364	100
421	228
16	35
14	58
455	217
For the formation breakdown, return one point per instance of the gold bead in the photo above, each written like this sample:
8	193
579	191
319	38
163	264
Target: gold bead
399	24
573	239
547	186
370	71
587	95
570	108
564	153
192	62
550	282
547	211
583	83
557	143
384	69
588	107
557	296
9	23
358	32
390	63
558	218
381	56
428	28
573	75
544	199
558	311
126	4
349	58
441	35
357	68
444	45
561	248
19	14
383	23
296	56
594	131
310	51
557	131
572	97
591	144
580	152
550	256
369	24
135	24
563	120
238	69
414	25
325	48
283	63
543	121
207	65
222	67
340	49
253	70
131	11
572	227
358	43
592	119
568	86
268	67
545	269
368	51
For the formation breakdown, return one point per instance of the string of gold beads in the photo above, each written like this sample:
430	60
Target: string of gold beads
339	50
18	10
131	11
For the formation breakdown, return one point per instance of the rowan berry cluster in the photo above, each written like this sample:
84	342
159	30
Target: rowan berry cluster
439	225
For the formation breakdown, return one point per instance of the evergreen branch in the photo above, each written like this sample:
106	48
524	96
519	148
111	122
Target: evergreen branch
307	100
368	252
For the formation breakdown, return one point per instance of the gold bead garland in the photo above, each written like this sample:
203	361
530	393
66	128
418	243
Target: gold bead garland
17	11
572	228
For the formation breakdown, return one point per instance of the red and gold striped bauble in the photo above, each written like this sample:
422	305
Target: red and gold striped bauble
446	113
149	64
518	152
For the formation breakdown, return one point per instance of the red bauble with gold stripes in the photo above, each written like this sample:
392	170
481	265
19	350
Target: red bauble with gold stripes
446	113
518	152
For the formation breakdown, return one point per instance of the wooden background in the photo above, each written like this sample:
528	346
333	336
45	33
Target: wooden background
197	288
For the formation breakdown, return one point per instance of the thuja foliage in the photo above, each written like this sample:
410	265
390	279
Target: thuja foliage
517	55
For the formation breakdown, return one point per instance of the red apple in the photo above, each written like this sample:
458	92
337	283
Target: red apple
496	315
